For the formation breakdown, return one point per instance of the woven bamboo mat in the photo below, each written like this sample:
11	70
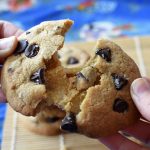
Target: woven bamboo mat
16	137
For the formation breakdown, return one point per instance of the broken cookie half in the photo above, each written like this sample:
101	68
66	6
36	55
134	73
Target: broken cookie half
96	99
23	79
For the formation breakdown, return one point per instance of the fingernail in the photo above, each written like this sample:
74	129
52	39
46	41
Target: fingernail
139	87
6	43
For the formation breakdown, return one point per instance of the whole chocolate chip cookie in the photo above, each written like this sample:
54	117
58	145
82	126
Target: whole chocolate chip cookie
23	73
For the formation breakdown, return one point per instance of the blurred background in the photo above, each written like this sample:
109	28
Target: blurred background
93	19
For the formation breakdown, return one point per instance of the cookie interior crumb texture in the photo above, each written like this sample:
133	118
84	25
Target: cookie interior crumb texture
96	98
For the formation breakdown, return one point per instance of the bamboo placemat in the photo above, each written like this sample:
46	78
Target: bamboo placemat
16	137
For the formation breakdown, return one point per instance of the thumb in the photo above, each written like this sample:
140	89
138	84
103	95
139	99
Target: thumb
140	92
7	46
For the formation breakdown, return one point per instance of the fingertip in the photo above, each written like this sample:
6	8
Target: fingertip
140	92
139	89
8	46
8	29
14	42
19	32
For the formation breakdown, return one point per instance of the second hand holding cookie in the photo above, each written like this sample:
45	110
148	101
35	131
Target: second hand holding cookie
140	92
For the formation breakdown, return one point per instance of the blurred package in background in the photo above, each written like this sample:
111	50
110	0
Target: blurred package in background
15	5
93	18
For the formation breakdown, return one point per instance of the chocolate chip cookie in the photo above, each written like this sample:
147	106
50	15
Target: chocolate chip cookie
41	127
73	59
47	122
23	79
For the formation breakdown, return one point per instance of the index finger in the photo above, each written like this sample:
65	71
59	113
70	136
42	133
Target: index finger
8	29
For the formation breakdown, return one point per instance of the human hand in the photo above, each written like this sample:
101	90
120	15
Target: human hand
8	43
140	91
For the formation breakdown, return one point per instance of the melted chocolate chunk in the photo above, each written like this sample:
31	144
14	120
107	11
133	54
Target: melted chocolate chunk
31	50
28	32
72	60
82	82
119	81
38	77
21	47
120	105
69	123
105	53
80	75
52	119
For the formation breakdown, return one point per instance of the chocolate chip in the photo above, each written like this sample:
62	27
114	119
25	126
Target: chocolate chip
69	123
80	75
120	105
31	50
28	32
105	53
72	60
21	47
83	80
52	119
119	81
38	77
